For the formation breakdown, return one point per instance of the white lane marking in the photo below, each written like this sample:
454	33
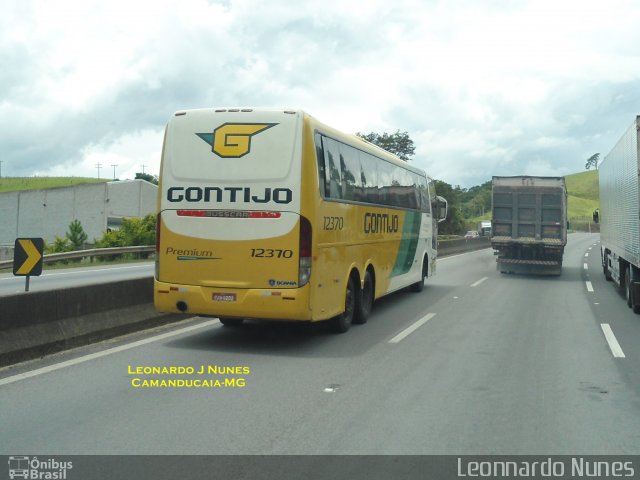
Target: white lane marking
586	267
589	286
475	284
586	255
616	350
104	353
409	330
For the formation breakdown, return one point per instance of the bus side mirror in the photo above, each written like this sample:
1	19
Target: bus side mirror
441	209
596	216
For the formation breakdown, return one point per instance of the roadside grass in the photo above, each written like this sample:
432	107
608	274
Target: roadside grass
583	194
584	185
12	184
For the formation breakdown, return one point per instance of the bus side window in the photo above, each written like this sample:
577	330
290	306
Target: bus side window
351	173
424	196
385	183
333	188
415	190
369	165
320	162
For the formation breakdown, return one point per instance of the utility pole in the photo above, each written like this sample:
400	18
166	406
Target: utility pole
98	166
114	170
143	168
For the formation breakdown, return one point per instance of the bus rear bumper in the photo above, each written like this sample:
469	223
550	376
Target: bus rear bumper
273	304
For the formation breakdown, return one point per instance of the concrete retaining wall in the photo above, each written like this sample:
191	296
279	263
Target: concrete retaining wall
34	324
47	213
452	247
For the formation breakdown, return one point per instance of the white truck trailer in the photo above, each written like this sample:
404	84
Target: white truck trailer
619	215
484	228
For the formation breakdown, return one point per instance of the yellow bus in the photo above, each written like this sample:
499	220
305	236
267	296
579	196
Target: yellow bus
270	214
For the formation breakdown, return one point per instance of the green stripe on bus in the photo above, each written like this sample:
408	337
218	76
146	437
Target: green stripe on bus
408	244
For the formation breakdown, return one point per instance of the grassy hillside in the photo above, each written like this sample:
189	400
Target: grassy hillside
583	194
12	184
582	198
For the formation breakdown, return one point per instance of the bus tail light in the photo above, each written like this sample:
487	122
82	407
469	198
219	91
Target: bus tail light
305	252
157	266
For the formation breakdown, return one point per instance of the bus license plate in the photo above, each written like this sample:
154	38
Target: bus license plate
224	297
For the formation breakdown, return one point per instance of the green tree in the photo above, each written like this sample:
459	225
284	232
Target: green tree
454	224
476	201
149	178
398	143
139	231
592	161
76	235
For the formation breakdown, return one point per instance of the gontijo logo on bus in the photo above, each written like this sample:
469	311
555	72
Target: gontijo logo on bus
233	140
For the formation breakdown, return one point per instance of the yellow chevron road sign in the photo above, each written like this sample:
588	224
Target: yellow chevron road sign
27	256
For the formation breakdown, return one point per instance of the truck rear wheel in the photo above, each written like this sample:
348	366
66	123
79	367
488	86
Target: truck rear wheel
628	287
605	268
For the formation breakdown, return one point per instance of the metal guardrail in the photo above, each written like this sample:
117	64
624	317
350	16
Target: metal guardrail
95	252
461	245
445	247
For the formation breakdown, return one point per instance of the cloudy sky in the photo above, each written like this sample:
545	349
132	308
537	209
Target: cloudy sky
483	87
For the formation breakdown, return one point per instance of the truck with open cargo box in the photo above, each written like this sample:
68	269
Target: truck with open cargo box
529	225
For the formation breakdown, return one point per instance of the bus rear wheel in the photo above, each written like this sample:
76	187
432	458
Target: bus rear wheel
342	322
364	302
419	286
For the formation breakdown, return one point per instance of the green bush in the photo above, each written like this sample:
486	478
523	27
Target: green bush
59	245
132	232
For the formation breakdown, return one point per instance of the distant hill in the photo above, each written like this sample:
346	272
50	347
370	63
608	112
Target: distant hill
12	184
583	194
582	198
582	188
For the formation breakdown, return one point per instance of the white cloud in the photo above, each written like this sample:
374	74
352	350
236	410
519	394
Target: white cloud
130	153
482	87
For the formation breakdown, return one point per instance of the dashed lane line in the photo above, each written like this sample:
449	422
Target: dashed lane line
615	347
409	330
475	284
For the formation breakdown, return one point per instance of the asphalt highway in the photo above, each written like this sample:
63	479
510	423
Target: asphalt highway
478	363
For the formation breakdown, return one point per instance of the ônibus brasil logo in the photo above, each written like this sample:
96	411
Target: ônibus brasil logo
233	140
34	468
